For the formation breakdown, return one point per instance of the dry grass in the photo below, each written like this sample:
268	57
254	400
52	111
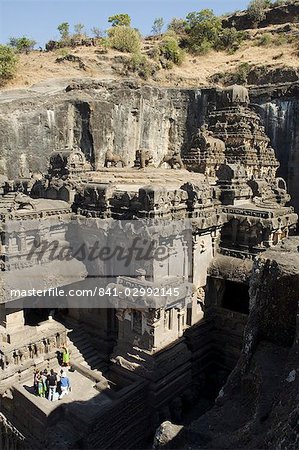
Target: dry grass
195	71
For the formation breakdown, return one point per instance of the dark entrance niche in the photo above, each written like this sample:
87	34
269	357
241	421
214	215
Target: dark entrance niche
236	297
33	316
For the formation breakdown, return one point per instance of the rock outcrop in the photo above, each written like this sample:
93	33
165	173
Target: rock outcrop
100	115
273	16
97	116
279	108
258	406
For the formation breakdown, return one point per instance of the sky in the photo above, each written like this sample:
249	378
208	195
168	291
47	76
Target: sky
38	19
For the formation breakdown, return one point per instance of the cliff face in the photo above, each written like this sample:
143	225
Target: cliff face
279	109
98	116
258	406
273	16
124	117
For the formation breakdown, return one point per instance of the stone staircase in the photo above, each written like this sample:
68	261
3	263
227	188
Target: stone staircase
83	352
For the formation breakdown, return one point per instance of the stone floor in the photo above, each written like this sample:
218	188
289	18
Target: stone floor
82	390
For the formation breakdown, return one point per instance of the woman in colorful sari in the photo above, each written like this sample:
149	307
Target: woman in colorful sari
40	385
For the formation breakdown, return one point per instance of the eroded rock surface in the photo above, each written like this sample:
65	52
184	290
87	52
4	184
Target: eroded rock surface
98	116
258	407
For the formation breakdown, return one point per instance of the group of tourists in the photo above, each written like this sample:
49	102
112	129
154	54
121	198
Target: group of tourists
50	385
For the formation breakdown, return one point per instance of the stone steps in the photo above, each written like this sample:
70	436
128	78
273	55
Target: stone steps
83	351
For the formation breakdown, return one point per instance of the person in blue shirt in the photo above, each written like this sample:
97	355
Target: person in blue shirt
64	384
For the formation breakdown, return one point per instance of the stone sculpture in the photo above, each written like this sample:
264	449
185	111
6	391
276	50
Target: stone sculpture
174	160
112	160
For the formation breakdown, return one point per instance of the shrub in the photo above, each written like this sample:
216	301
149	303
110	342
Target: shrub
264	40
124	39
140	64
8	63
120	20
104	43
22	44
202	49
62	51
166	64
230	39
282	39
242	73
154	52
239	76
170	49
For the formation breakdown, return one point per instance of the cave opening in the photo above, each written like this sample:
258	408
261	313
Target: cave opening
236	297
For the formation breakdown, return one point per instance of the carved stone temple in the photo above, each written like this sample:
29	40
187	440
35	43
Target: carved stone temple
160	332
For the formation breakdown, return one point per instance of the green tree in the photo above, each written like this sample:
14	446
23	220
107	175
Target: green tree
64	30
230	39
79	29
120	20
178	26
22	44
203	30
124	39
158	25
8	63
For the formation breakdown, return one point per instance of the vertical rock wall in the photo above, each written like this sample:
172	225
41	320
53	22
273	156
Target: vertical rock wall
98	117
279	109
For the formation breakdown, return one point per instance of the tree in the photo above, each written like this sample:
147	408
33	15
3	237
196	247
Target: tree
8	63
79	29
230	39
97	32
178	26
256	10
22	44
203	30
120	20
158	25
170	49
64	30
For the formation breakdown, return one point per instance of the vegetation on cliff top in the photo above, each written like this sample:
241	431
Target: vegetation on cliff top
198	34
8	63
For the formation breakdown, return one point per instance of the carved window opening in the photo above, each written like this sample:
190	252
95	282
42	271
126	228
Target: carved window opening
236	297
189	316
